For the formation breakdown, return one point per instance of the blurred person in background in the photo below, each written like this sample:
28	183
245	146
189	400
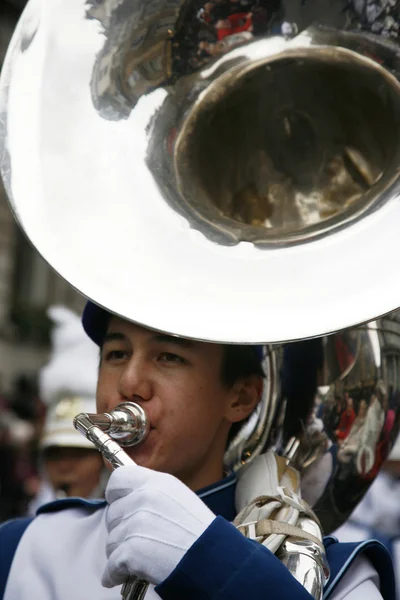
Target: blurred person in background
21	415
17	469
233	24
347	419
375	436
331	416
70	465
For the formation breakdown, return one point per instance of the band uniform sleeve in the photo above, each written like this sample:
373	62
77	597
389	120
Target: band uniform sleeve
223	564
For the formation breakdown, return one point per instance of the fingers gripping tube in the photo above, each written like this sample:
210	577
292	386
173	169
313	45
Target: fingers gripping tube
128	424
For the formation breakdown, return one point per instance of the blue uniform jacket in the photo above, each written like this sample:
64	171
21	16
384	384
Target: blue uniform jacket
222	564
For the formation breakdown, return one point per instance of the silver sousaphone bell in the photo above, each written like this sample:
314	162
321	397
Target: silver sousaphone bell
232	187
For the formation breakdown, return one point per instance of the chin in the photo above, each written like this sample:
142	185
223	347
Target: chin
143	454
150	460
141	461
152	454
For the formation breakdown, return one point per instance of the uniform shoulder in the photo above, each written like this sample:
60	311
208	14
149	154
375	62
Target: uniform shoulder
342	556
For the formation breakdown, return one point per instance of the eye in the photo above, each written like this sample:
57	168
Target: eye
170	357
115	355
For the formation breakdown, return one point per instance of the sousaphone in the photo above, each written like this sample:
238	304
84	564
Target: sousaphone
228	172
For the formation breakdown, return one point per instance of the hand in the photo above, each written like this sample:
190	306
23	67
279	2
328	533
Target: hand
152	521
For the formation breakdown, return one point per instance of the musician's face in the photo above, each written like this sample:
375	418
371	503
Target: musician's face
178	383
74	471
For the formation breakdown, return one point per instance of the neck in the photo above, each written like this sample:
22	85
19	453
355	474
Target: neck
209	470
203	478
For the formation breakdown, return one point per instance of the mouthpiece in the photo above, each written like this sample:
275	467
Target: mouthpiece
127	423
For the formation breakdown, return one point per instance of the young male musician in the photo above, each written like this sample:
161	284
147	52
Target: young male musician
167	520
88	88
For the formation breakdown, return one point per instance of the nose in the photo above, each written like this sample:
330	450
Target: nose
135	383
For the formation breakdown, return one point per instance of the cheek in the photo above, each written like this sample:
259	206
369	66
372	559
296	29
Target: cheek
211	399
196	409
107	385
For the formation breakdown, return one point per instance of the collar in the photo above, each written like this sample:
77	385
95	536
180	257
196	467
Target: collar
220	497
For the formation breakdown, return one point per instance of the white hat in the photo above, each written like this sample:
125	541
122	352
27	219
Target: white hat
68	382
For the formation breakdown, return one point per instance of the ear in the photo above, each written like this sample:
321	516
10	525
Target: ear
246	395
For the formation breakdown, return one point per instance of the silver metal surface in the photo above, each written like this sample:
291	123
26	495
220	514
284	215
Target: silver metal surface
322	364
127	423
242	162
306	559
109	448
303	559
335	414
134	589
94	427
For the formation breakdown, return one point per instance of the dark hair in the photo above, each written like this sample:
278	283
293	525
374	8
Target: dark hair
237	362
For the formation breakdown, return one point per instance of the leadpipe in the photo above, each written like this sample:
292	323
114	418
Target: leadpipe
129	423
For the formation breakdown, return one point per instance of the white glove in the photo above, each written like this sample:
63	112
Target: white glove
152	521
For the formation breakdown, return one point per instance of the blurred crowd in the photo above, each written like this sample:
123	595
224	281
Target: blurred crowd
361	426
42	457
209	29
22	415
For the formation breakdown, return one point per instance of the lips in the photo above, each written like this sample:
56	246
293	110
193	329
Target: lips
151	429
151	422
